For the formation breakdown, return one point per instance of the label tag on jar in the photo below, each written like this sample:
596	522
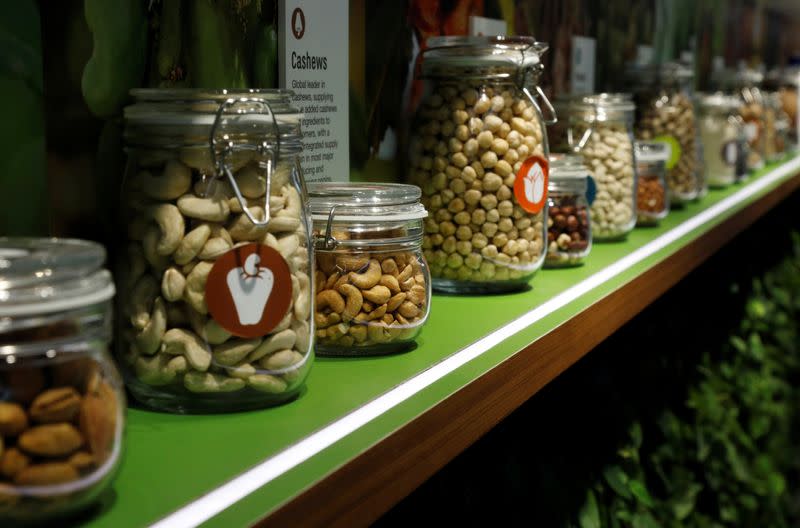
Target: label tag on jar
673	149
249	290
591	190
530	185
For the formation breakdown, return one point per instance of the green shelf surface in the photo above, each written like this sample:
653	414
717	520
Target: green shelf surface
233	469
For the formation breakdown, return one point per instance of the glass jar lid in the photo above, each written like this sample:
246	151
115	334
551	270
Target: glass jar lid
668	72
504	54
47	275
598	107
365	202
567	167
650	152
717	102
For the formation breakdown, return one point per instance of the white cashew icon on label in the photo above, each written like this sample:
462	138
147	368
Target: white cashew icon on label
250	287
534	184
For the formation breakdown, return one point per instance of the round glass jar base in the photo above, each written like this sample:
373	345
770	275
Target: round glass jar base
564	261
649	220
475	287
611	237
384	349
209	403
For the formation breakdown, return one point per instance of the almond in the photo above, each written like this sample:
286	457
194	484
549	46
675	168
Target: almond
56	405
82	461
12	462
97	420
13	419
46	474
51	440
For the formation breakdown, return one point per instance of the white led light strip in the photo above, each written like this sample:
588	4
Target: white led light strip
213	502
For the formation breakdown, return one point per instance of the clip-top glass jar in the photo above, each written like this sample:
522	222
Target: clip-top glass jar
719	130
217	267
652	194
61	398
599	127
569	229
790	100
372	283
664	112
478	130
746	85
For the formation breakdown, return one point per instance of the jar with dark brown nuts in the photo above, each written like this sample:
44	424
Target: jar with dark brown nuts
652	198
477	131
215	271
61	398
372	284
569	230
664	112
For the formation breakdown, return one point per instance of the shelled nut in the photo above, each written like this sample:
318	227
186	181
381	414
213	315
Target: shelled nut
567	232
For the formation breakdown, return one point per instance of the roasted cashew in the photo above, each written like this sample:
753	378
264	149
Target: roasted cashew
377	334
336	331
377	313
369	278
178	341
389	266
148	340
324	321
174	181
407	284
142	297
214	248
319	280
195	291
353	263
409	310
208	209
405	274
390	282
170	221
250	181
359	333
330	299
191	244
395	301
278	341
377	294
416	295
172	285
354	301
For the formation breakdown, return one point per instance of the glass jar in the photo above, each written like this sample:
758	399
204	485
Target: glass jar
61	398
664	113
600	129
569	230
789	92
652	195
719	130
745	84
373	286
777	142
479	152
215	271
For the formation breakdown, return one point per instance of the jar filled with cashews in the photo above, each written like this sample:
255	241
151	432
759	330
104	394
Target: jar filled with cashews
372	283
215	270
478	129
665	113
599	128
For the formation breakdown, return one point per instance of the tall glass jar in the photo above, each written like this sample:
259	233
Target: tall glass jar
479	153
62	405
746	85
216	266
719	130
372	283
789	92
600	129
569	229
652	195
664	113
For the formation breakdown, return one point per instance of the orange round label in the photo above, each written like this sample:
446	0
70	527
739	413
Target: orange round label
249	290
530	186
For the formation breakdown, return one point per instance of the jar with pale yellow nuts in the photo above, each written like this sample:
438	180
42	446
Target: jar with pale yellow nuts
215	263
478	130
372	285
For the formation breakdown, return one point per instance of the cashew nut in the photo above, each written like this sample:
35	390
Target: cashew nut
330	299
293	202
251	182
325	320
302	304
303	332
170	222
209	382
389	266
352	263
354	301
283	224
172	285
267	383
191	244
142	297
241	228
287	245
390	282
200	159
377	313
178	341
395	301
195	291
208	209
235	350
214	248
406	273
174	181
150	243
153	369
369	278
149	339
409	310
359	333
377	294
214	333
278	341
243	371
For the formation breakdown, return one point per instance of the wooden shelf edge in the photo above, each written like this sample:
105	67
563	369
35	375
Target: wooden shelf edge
367	486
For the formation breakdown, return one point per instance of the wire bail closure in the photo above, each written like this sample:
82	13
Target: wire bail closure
264	148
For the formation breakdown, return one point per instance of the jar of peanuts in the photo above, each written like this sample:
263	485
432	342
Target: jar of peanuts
479	152
652	196
569	231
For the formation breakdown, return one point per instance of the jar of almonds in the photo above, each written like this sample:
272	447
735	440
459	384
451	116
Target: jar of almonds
479	152
61	398
569	229
599	128
215	265
373	286
664	112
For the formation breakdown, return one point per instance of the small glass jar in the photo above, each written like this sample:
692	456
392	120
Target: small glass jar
479	130
664	112
745	84
600	129
652	195
61	398
789	93
778	140
215	272
719	129
373	286
569	230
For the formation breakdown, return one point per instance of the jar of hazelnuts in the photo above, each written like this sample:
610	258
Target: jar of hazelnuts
372	284
479	152
61	399
569	230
